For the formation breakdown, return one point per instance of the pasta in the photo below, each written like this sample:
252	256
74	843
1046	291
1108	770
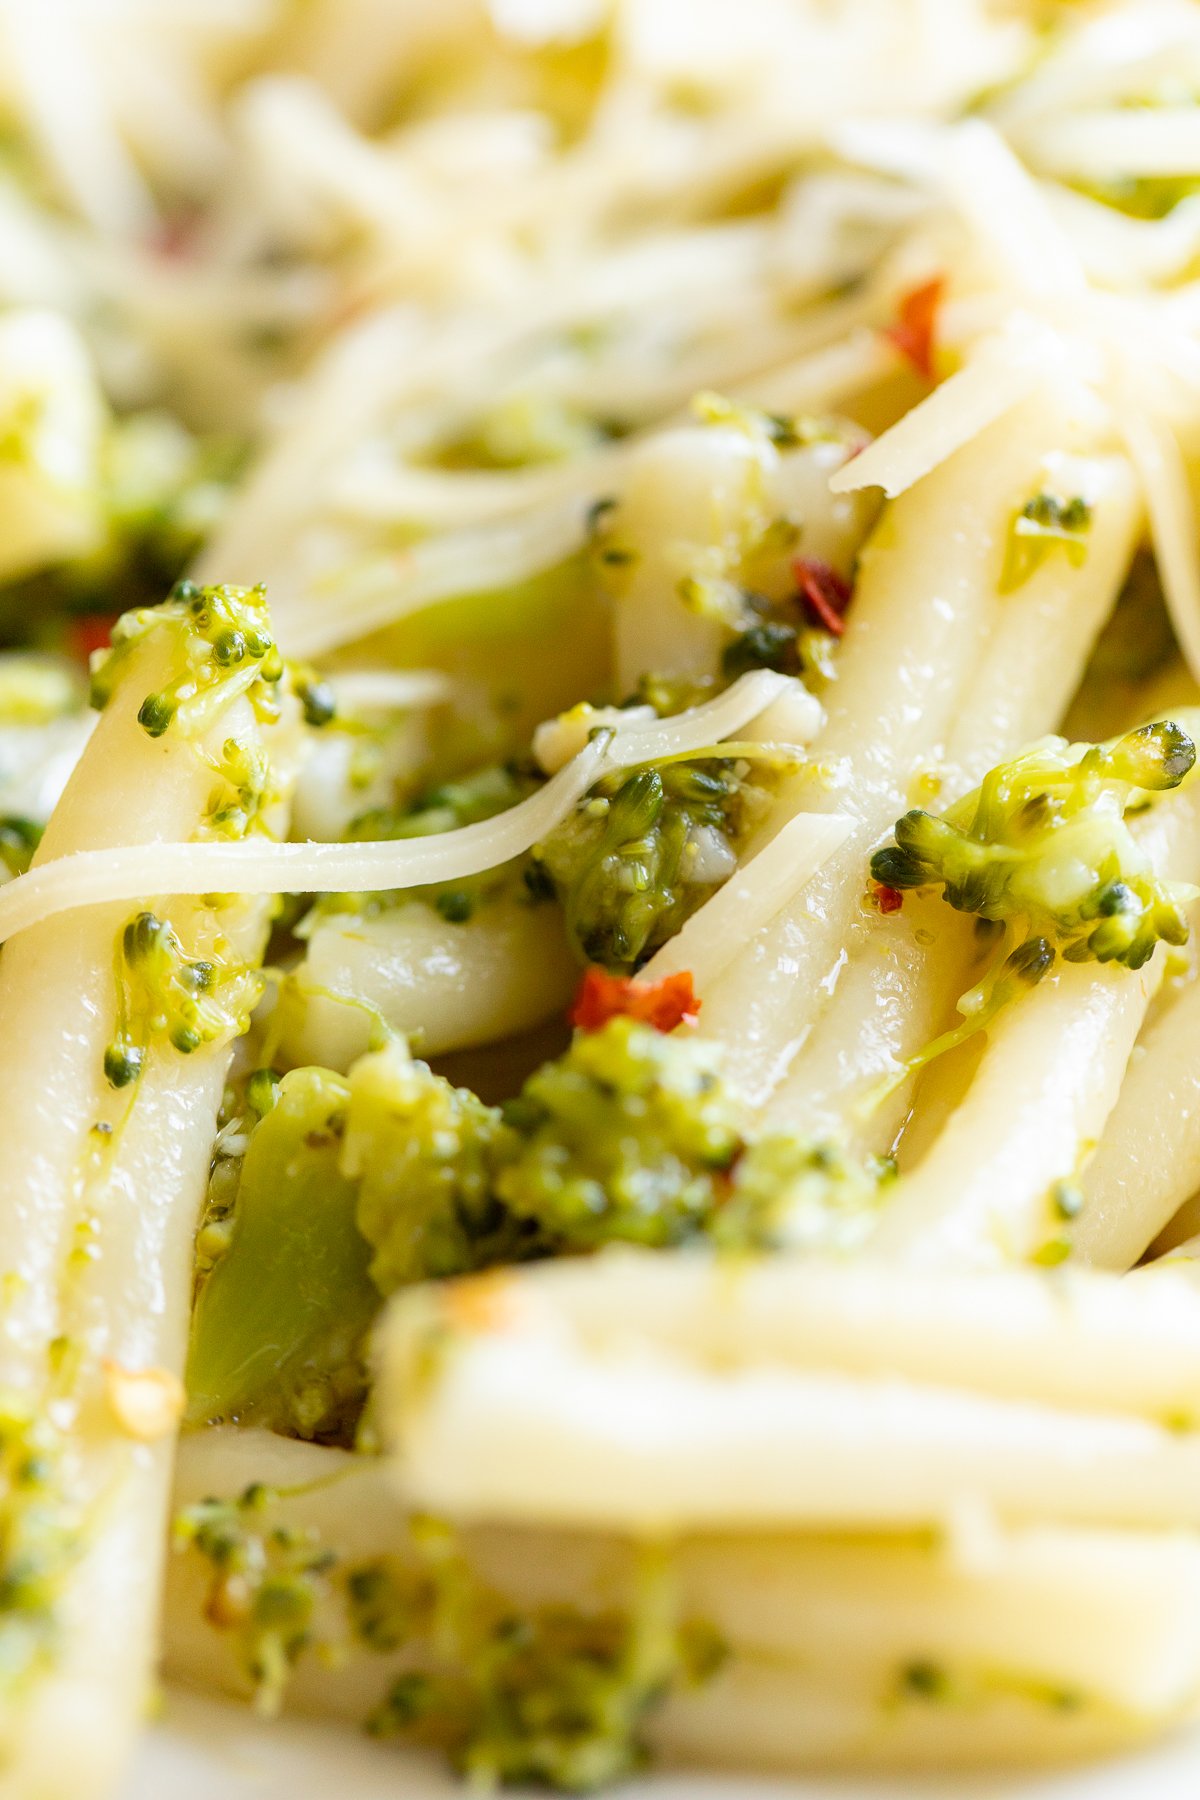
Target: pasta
599	850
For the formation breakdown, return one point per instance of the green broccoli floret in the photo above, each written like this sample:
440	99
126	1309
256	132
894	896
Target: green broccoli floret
1045	523
469	800
224	648
629	1135
552	1694
266	1585
351	1188
282	1312
1043	841
163	993
425	1156
642	852
41	1533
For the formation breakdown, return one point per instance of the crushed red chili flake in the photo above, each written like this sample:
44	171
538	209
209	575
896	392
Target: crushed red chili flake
916	320
663	1004
888	899
825	593
91	632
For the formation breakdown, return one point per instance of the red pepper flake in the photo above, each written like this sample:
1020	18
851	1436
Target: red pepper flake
916	321
824	592
663	1004
888	899
174	237
91	632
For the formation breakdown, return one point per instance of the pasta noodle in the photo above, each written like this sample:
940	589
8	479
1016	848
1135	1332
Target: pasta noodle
599	845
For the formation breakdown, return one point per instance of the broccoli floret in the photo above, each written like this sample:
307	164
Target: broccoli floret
225	648
281	1316
266	1584
1045	523
42	1538
553	1694
163	993
425	1156
629	1135
352	1188
642	852
469	800
1043	842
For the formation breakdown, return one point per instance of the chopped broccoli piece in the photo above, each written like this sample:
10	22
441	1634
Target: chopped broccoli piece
1043	524
425	1156
162	993
279	1322
642	851
225	648
554	1694
1043	841
351	1189
472	798
551	1693
19	838
629	1135
267	1582
40	1535
469	800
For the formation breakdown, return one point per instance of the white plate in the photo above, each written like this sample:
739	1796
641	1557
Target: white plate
206	1750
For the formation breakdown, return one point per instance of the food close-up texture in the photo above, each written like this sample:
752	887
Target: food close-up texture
599	869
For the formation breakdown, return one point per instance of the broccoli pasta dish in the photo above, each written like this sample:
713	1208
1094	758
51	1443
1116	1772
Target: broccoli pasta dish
599	872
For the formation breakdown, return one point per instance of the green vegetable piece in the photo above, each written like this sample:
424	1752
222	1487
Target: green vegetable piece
425	1155
162	993
1043	841
40	1538
279	1323
1044	524
266	1585
629	1136
224	648
642	852
19	838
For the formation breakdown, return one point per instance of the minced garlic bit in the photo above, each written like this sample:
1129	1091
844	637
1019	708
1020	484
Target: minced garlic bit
146	1403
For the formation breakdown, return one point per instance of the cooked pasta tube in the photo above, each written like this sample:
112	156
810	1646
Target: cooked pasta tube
916	635
1048	1080
448	986
109	1129
1147	1163
695	505
905	972
1075	1338
888	1646
516	1416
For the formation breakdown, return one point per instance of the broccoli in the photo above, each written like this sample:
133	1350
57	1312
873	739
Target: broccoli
630	1136
551	1694
352	1188
225	648
1043	524
1043	842
266	1584
280	1318
162	993
425	1156
468	800
642	851
42	1537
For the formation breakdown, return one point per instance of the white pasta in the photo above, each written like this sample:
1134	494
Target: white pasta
600	1057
